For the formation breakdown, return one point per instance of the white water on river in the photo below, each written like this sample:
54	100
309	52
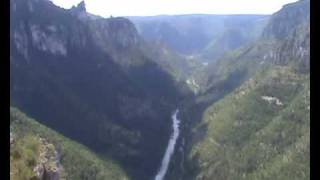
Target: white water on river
170	149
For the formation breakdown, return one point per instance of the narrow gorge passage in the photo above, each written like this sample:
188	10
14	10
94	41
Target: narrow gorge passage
170	148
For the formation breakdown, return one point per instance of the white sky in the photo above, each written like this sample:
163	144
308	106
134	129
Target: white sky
106	8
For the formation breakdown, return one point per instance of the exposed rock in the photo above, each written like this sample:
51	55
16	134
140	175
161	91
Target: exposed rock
272	100
48	167
30	6
284	21
192	83
45	42
82	6
291	29
80	11
21	41
11	138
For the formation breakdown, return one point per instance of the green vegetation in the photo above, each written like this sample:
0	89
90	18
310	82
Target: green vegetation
251	119
95	81
23	158
91	80
77	161
248	137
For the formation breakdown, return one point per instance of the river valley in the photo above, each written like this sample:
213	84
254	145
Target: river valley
170	148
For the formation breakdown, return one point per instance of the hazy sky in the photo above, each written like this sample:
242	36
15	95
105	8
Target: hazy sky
156	7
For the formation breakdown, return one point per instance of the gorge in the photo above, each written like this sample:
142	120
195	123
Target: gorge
170	148
96	95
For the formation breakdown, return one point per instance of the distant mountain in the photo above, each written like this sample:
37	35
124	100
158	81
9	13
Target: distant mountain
252	118
238	32
194	34
90	79
291	48
102	91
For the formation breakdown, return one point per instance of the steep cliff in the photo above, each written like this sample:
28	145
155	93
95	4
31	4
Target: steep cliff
38	152
255	124
88	78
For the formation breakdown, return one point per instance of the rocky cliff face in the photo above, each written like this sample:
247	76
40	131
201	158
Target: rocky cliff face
115	36
118	37
291	28
272	47
87	77
49	166
296	49
257	127
283	22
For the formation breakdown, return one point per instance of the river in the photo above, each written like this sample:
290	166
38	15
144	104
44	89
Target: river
170	148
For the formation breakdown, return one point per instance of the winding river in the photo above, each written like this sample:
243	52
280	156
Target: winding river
170	149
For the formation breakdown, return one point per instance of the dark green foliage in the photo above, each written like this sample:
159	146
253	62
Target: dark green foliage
260	127
89	80
247	137
97	82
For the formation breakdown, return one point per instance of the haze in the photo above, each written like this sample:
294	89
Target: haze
107	8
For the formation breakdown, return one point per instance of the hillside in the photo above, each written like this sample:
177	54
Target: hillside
89	79
38	151
291	48
260	130
256	124
99	98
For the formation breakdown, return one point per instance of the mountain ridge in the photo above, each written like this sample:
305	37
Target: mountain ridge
107	94
105	84
260	127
